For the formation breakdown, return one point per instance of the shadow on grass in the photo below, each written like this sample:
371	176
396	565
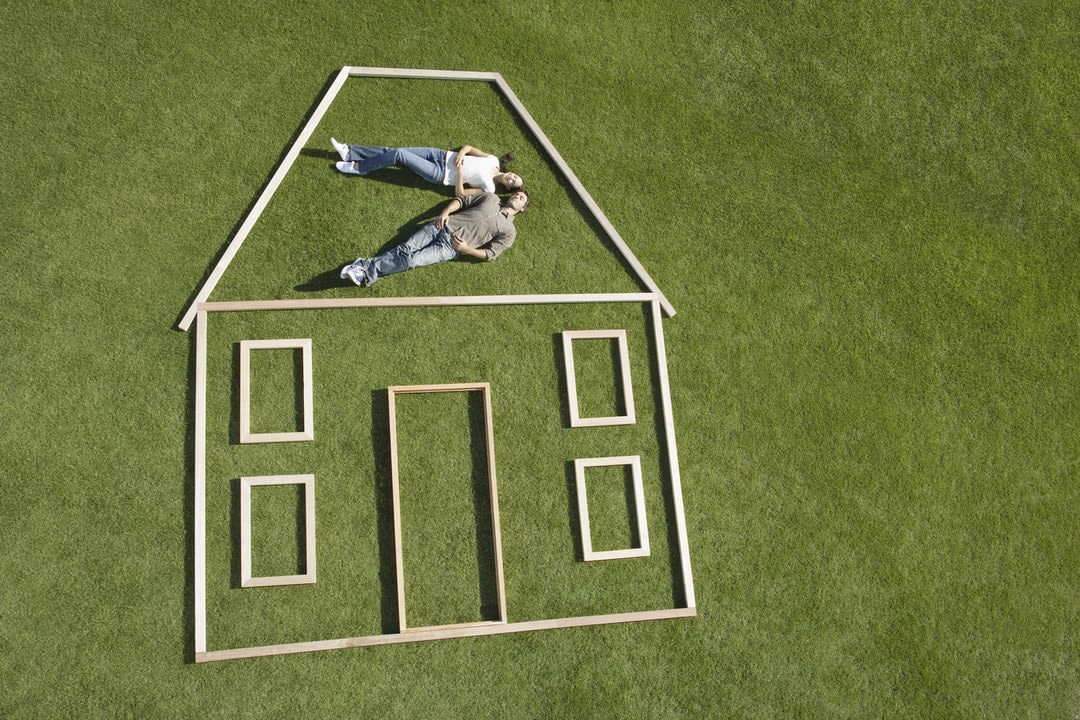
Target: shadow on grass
234	534
234	398
384	510
559	360
332	278
392	175
483	511
573	512
620	382
325	281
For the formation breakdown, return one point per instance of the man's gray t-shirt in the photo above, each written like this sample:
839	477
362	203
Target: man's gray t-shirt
480	222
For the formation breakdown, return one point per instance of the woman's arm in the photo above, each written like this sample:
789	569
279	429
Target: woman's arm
451	207
470	150
459	183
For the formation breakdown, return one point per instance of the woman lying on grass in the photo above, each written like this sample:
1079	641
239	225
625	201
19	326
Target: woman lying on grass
476	168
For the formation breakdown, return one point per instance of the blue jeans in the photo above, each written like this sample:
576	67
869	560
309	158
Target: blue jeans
428	163
427	246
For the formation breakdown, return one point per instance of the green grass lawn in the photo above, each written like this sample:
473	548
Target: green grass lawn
866	217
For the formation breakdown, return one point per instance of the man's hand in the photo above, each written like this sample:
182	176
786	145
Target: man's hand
440	222
464	249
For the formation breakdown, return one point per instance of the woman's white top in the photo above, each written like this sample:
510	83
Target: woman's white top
477	171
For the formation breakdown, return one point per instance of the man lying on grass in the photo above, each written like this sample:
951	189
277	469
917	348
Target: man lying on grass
476	224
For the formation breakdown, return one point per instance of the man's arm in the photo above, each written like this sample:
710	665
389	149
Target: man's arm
464	249
500	242
490	250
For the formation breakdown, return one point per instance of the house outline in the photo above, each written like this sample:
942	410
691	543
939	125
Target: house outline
201	308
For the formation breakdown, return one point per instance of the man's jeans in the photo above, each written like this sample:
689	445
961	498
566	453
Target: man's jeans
427	246
428	163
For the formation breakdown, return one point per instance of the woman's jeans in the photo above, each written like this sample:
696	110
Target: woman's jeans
428	163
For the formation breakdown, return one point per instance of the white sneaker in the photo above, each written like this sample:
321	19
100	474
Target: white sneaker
342	148
356	274
348	168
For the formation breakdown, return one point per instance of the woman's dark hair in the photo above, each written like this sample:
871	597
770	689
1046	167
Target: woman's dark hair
504	162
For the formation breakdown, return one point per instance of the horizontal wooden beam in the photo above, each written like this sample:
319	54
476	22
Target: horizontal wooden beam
419	74
452	300
443	634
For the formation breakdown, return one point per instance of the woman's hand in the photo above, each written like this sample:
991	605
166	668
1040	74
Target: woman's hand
460	159
451	207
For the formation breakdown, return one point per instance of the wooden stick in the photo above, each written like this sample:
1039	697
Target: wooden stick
418	74
450	301
444	387
264	199
673	458
455	626
586	198
309	575
489	435
308	431
493	495
200	484
478	630
568	337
